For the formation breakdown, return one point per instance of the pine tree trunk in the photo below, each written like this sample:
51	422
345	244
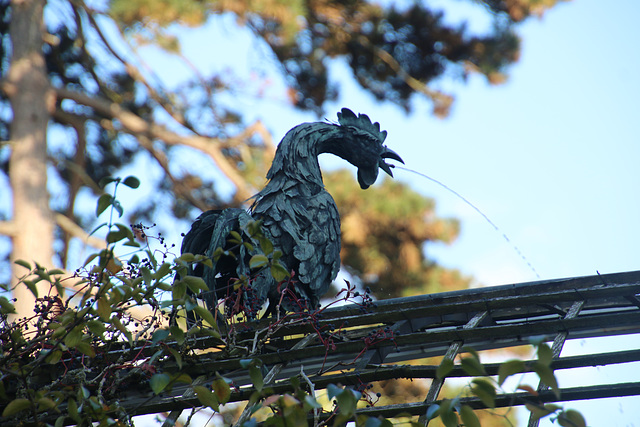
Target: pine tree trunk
31	99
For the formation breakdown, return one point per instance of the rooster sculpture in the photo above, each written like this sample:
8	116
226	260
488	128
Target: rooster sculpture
297	215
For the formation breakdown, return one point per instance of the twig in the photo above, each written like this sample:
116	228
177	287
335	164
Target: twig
312	393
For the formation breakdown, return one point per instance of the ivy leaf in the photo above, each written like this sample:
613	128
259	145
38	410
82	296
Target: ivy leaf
222	390
206	315
472	366
448	417
469	417
445	367
104	202
538	412
545	354
72	408
86	349
16	406
131	182
73	338
433	411
177	334
159	382
256	377
571	418
23	263
195	283
278	272
159	335
485	391
53	357
6	307
176	356
258	261
508	368
206	397
106	180
333	390
546	376
347	402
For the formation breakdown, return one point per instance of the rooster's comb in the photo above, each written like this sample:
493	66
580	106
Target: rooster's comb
362	122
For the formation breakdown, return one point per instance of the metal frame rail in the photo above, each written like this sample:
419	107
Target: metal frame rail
425	326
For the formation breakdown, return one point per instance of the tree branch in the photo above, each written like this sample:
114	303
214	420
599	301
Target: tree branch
8	228
442	102
135	125
75	230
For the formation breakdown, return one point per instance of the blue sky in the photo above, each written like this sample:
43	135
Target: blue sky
551	156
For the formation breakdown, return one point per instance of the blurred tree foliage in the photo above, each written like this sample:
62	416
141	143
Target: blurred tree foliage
111	112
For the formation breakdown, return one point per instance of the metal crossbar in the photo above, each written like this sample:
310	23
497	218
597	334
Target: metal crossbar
410	329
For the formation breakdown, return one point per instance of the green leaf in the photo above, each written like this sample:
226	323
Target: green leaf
73	337
472	366
195	283
177	334
333	390
6	307
255	373
104	308
179	290
23	263
445	367
485	391
146	275
159	382
206	316
96	327
131	182
164	269
571	418
53	357
159	335
433	411
16	406
545	354
182	378
448	417
311	402
176	356
278	272
72	408
206	397
106	180
118	324
46	403
546	376
31	285
104	202
538	412
86	349
265	245
258	261
115	236
508	368
222	390
469	417
118	207
347	402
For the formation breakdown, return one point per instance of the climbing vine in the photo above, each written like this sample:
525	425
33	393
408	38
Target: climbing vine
118	321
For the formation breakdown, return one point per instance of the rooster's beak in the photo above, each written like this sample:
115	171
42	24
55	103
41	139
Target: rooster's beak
389	154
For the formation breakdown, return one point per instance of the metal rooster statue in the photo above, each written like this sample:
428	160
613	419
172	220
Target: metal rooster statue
298	216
